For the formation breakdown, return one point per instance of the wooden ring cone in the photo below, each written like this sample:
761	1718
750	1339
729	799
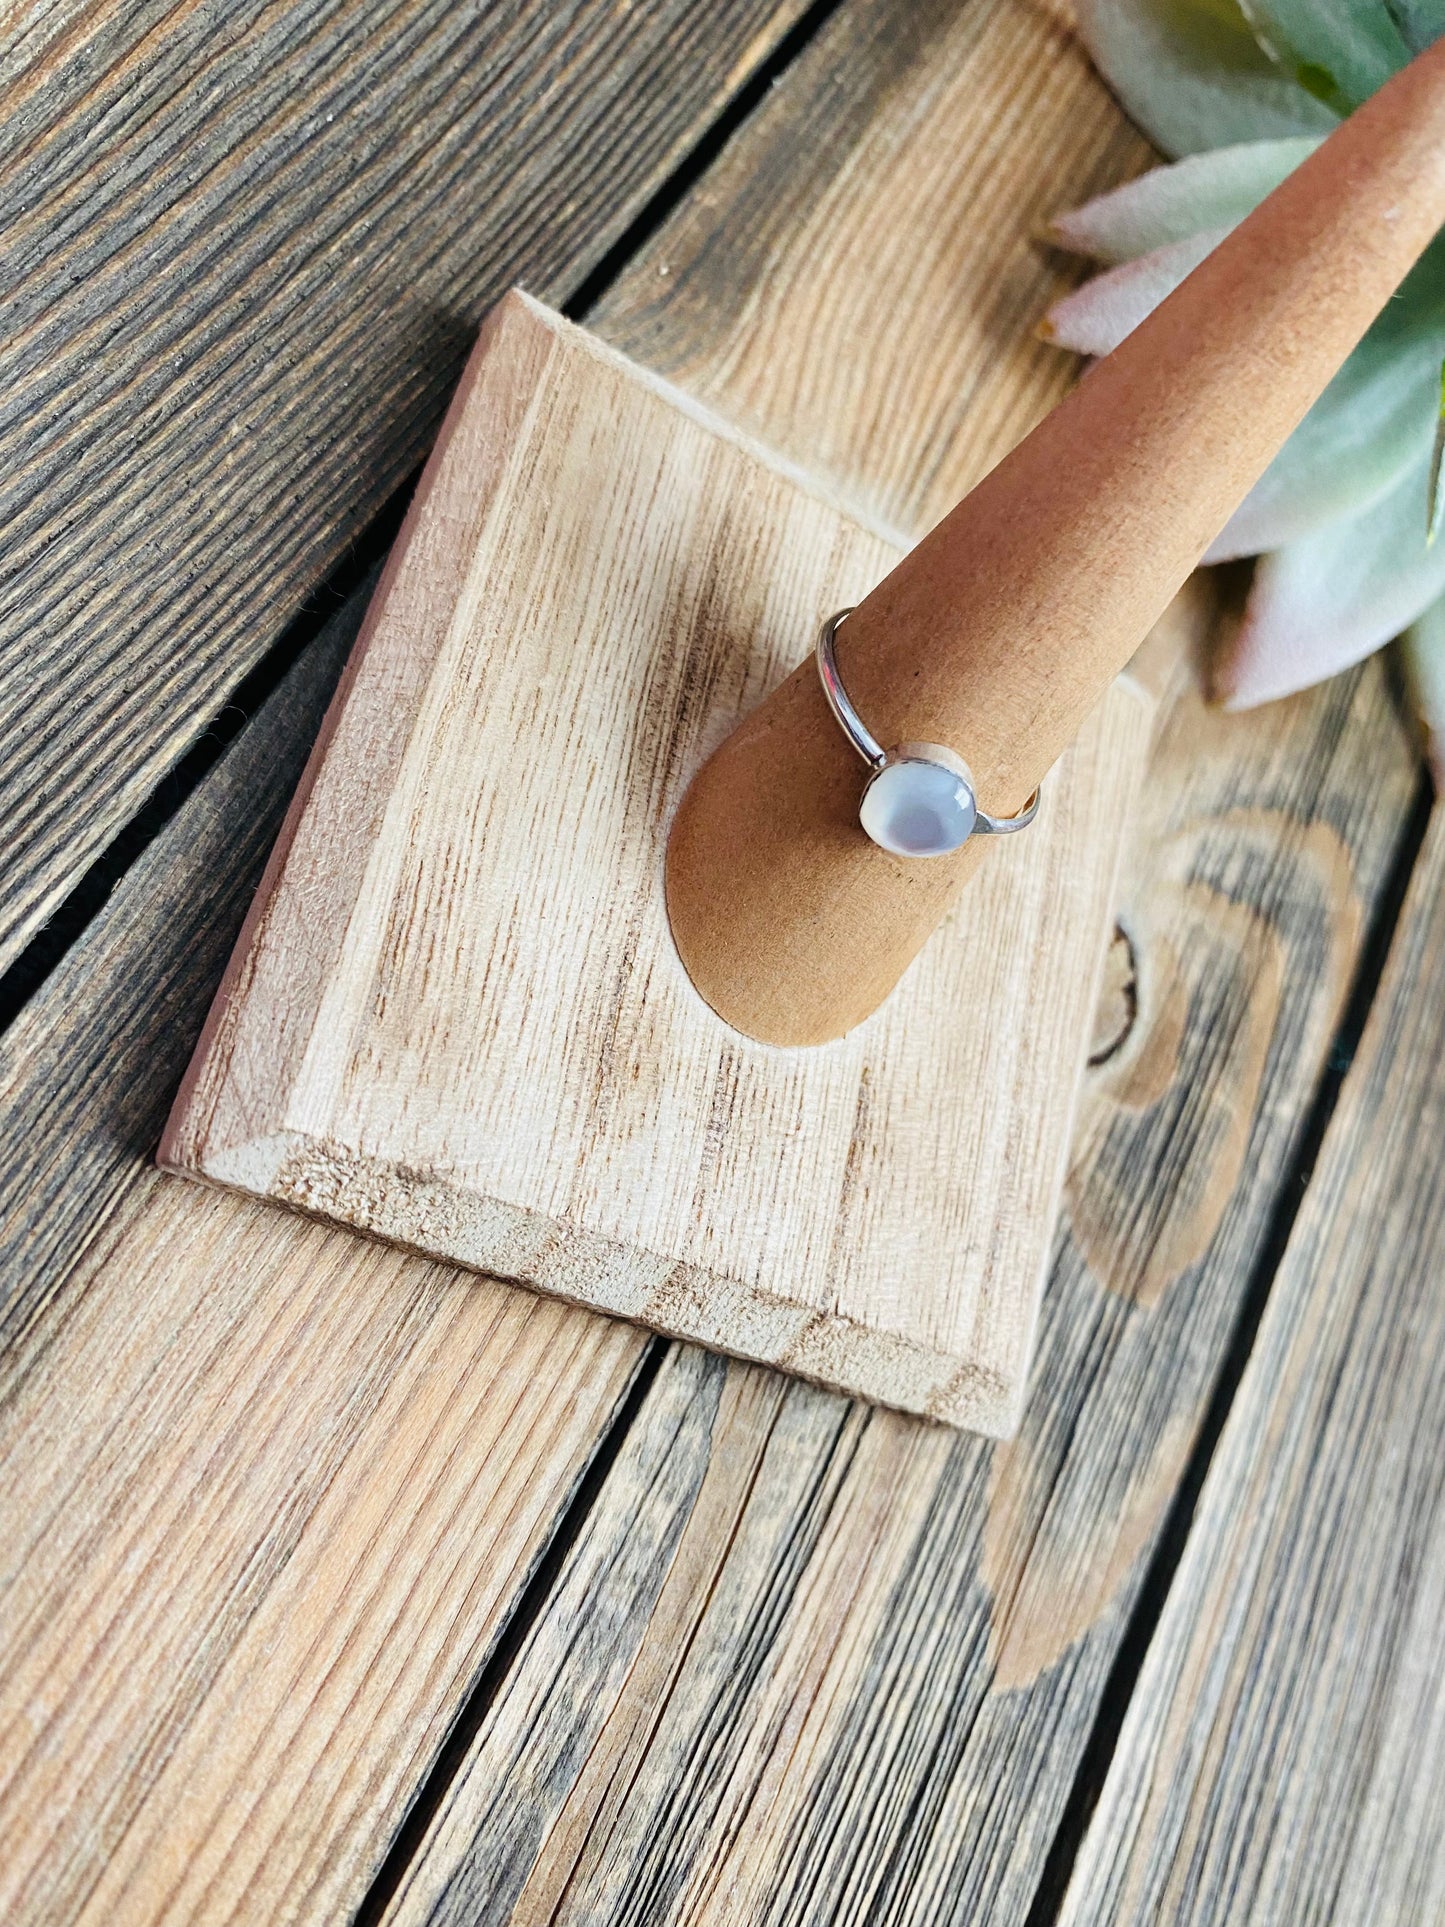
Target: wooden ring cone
1000	631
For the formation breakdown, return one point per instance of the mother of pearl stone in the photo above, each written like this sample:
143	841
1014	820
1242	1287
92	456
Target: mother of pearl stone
919	804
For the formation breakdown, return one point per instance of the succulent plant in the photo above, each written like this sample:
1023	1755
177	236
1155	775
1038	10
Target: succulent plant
1345	520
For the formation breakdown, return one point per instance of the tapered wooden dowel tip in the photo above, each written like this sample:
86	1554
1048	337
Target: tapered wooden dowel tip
1000	632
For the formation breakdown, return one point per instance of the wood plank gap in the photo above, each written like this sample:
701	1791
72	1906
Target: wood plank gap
530	1604
670	193
88	1068
1163	1565
356	574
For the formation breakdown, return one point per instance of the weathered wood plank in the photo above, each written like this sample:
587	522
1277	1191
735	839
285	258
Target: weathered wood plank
88	1068
1283	1758
245	253
270	1494
873	1706
269	1490
856	280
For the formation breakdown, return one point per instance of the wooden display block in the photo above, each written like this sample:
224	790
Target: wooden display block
455	1018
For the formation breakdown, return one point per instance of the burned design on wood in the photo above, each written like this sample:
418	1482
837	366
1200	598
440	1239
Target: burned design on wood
1306	1625
1118	999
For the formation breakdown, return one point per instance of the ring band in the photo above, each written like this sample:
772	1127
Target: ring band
919	799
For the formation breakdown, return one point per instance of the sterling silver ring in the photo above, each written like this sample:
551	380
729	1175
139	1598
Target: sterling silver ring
919	799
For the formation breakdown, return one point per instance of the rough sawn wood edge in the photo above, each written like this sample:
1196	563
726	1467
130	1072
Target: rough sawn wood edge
700	1307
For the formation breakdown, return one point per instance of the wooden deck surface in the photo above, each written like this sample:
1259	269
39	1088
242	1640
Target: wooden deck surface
337	1585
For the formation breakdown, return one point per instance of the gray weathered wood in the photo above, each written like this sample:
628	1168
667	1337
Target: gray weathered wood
245	252
1283	1758
89	1067
627	1580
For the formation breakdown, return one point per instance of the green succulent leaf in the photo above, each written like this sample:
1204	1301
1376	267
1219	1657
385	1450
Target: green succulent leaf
1169	204
1327	601
1338	50
1374	422
1419	23
1422	656
1194	76
1348	517
1437	459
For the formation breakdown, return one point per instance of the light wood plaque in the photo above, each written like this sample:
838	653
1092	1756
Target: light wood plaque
455	1018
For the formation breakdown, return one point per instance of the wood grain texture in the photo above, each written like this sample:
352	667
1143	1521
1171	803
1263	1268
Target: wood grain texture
88	1068
457	1018
915	149
1001	1616
269	1491
116	1372
245	254
871	1703
239	1603
876	1708
1283	1758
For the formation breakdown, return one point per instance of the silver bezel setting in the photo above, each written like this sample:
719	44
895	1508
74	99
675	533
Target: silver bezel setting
879	759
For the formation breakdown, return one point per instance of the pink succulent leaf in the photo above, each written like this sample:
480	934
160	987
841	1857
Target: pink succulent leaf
1422	657
1095	318
1193	75
1327	601
1170	204
1374	422
1339	50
